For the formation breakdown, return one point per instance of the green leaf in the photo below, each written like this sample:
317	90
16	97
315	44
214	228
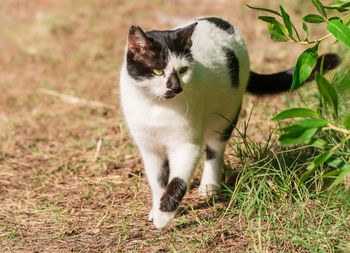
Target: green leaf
276	32
276	29
320	159
319	7
305	64
313	18
287	22
297	136
317	142
340	31
306	29
302	125
332	173
264	9
346	122
345	5
295	112
345	170
292	128
339	6
311	123
340	9
328	92
334	18
268	19
335	162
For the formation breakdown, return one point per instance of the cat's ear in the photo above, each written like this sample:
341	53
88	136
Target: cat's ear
184	35
137	40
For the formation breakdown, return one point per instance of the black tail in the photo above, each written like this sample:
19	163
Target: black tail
275	83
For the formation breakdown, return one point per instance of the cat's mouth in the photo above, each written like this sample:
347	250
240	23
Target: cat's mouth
171	93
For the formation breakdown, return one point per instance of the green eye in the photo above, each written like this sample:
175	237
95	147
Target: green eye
158	72
183	70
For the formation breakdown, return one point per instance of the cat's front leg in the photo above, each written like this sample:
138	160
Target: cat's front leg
157	171
182	160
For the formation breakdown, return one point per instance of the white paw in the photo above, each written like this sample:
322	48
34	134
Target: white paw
150	215
161	219
208	190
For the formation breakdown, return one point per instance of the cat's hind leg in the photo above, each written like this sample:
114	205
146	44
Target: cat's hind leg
211	177
215	148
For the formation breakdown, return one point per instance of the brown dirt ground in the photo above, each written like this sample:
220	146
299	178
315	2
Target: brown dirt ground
60	192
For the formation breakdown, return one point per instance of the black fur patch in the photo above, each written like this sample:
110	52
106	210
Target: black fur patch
173	195
228	131
175	40
222	24
173	84
140	65
163	178
210	153
260	84
232	65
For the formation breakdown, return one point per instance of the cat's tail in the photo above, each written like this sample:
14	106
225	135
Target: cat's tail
260	84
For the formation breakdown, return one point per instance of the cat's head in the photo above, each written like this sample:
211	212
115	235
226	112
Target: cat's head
160	61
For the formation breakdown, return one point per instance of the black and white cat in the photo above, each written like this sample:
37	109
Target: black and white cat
178	88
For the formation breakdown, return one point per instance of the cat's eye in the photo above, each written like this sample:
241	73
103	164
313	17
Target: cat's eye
158	72
183	70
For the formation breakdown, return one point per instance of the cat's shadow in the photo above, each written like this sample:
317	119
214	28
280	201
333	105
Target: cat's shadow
222	197
208	203
204	203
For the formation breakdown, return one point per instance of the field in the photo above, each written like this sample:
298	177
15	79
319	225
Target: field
71	179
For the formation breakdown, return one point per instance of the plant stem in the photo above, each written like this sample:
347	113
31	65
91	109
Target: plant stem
330	126
318	40
314	41
340	143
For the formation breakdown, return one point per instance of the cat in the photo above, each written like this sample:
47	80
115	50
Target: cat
178	88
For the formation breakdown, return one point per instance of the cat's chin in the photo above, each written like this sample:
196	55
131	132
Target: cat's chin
172	93
168	96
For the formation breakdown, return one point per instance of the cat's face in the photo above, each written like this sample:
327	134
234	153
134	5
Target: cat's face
160	61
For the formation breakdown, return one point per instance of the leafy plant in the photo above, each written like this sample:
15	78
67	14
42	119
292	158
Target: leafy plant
321	127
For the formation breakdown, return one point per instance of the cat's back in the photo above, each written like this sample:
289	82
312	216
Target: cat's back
218	46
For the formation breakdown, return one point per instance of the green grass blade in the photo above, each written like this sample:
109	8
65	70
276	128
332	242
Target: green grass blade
345	171
320	159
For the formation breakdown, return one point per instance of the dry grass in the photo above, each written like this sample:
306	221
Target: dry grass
70	178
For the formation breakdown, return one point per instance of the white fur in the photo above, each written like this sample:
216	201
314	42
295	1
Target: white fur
177	128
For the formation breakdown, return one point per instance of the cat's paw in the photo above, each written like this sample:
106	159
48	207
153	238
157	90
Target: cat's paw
208	190
150	215
161	219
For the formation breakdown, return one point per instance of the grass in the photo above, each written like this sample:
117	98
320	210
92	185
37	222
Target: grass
281	214
71	180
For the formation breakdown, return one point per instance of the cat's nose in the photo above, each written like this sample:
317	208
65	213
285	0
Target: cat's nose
173	83
177	90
